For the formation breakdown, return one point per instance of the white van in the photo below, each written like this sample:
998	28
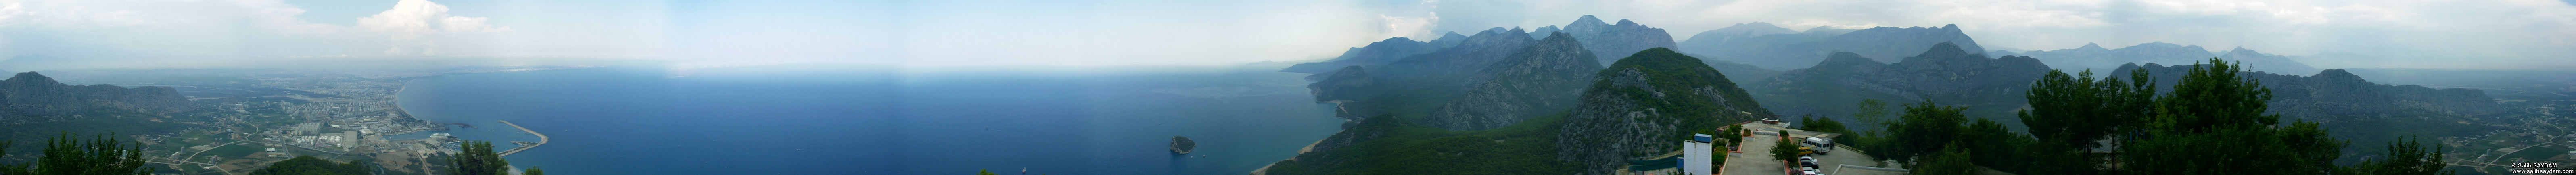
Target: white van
1822	145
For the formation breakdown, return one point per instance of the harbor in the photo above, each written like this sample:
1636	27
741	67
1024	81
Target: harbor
541	139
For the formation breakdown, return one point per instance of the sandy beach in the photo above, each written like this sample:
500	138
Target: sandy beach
1310	147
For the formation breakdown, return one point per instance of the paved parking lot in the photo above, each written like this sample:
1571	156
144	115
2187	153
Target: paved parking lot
1756	156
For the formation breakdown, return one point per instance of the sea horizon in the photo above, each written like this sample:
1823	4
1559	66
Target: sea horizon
858	120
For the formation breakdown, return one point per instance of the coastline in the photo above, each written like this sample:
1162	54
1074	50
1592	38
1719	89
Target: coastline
1310	147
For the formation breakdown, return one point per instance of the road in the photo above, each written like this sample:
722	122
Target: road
194	155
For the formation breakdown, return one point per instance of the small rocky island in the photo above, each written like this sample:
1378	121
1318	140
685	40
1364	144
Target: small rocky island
1183	145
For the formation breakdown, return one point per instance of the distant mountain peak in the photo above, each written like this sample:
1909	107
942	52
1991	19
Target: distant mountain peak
1625	22
2091	46
2242	50
1839	59
1945	49
1588	19
2159	44
32	78
2338	74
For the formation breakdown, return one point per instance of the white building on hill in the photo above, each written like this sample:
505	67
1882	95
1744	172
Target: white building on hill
1697	155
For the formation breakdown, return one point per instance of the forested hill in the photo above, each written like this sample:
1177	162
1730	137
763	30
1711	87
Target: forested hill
32	94
1642	103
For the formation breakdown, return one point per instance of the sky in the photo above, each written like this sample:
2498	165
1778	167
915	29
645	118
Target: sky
2496	34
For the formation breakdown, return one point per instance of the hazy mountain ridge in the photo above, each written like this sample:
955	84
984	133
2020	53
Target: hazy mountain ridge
1609	40
1541	79
32	94
2338	95
2095	57
1801	50
1380	52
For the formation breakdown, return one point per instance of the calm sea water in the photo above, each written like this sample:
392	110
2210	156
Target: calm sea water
878	120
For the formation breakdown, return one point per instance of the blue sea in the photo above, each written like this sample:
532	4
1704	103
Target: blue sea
857	119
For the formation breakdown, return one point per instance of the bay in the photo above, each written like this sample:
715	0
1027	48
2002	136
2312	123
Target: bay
858	119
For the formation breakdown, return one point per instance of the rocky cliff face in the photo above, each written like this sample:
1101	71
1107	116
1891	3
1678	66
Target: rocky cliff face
2337	95
1642	103
1802	50
1945	73
1608	40
32	94
1538	80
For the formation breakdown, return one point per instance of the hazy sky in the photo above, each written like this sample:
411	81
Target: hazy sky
2515	34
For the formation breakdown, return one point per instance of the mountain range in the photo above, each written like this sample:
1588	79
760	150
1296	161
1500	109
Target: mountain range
1508	101
1608	40
1946	73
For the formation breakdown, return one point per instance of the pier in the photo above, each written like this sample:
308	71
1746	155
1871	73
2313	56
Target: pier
541	139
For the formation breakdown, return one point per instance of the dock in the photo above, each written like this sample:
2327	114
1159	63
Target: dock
541	139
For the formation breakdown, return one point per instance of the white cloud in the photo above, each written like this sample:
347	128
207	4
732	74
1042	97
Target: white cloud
217	30
416	25
1416	27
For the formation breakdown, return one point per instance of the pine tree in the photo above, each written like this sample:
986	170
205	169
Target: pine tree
2214	123
2405	157
2076	110
1784	150
1925	128
64	155
1951	161
477	158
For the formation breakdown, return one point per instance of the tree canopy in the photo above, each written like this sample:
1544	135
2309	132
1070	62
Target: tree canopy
2078	110
477	158
1783	149
1925	128
64	155
307	165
